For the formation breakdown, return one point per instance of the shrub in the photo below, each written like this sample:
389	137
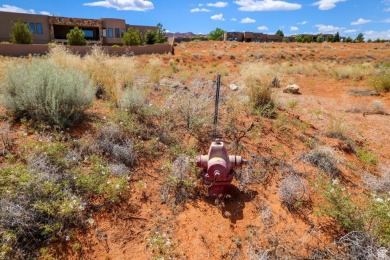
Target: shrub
160	34
216	35
150	37
45	92
360	246
114	143
381	82
21	33
76	37
179	185
134	100
35	206
322	157
193	108
293	191
380	184
261	98
339	206
132	37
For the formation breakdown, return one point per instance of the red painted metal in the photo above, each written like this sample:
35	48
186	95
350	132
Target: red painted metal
219	165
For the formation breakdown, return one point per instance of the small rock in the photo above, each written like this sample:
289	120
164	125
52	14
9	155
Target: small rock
292	89
165	82
176	84
233	87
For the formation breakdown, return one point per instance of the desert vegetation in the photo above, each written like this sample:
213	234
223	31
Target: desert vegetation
97	153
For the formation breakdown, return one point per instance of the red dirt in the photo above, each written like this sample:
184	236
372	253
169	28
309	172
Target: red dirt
201	229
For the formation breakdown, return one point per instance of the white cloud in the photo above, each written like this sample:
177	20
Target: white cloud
217	17
248	20
303	23
266	5
328	28
386	10
45	13
294	28
262	28
197	10
125	5
200	5
327	4
218	4
15	9
360	21
350	31
373	35
233	19
386	20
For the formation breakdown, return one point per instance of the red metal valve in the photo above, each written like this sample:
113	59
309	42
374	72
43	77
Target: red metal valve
219	166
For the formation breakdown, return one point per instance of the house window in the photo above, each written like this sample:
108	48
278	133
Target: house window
104	32
39	28
122	32
32	27
117	34
88	33
110	33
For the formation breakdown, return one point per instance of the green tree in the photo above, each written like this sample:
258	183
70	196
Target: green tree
150	37
216	35
160	34
348	39
76	37
21	33
279	33
320	38
336	37
299	38
360	38
132	37
369	40
308	38
329	38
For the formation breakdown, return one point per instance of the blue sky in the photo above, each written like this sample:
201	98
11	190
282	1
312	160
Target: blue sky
349	17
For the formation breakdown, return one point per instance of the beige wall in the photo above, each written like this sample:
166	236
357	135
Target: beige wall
113	23
6	20
17	50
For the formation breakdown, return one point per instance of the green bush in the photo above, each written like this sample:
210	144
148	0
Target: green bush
339	206
132	37
133	100
45	92
216	35
76	37
150	37
21	33
362	213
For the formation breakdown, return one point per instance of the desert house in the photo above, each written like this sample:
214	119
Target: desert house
45	29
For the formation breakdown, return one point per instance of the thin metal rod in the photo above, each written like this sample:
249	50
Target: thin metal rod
216	106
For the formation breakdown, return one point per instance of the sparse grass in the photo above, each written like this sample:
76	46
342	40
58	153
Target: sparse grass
367	157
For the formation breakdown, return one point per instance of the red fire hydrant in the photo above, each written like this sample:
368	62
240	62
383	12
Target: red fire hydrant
219	166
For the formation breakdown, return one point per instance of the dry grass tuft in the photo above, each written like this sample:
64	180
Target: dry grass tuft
324	158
